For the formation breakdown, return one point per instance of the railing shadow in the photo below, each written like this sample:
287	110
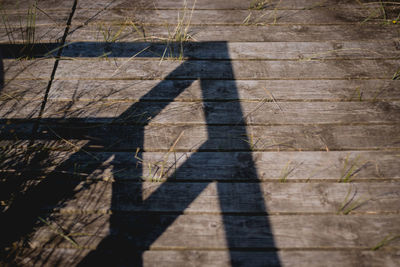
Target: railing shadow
132	234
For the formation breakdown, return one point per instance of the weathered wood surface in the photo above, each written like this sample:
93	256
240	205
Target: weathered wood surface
241	50
43	34
17	19
47	5
279	198
23	90
310	166
30	22
228	17
312	90
116	137
317	100
220	4
206	231
219	90
272	165
24	87
205	69
263	112
263	137
19	109
287	33
37	69
172	4
68	256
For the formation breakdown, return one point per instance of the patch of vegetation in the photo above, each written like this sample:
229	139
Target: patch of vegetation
349	203
180	35
351	168
259	4
387	12
26	29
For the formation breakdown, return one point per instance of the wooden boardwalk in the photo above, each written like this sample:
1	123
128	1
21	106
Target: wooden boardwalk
200	133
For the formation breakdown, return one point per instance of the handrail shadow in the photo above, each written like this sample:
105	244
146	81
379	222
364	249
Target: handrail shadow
130	238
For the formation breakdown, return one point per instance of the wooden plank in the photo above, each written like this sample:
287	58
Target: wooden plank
331	166
266	113
19	109
279	198
286	258
219	138
347	258
282	90
15	20
286	33
172	4
43	34
245	50
205	69
35	69
228	17
23	89
205	231
23	5
25	84
220	4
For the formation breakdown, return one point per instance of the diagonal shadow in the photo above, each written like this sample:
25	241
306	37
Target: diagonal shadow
132	234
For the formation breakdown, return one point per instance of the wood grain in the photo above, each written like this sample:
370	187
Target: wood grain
43	34
279	198
218	138
37	69
205	231
252	70
270	138
220	90
267	113
235	17
307	166
236	50
66	256
208	4
287	33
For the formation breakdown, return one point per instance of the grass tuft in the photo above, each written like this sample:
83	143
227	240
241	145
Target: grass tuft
180	35
259	4
396	75
385	241
351	168
26	29
349	203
